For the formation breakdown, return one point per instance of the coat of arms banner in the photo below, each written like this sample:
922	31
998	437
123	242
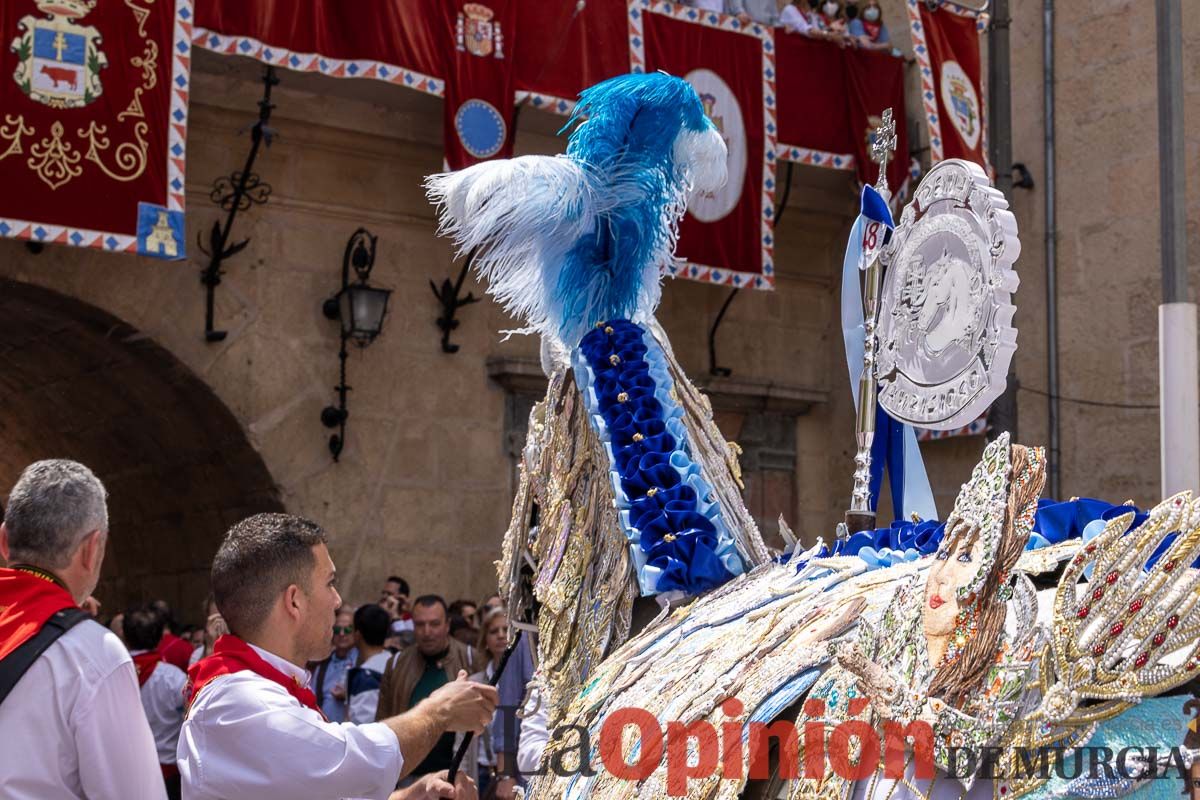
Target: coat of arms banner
946	44
93	117
726	236
479	112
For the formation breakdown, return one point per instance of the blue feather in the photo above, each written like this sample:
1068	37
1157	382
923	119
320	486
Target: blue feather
565	255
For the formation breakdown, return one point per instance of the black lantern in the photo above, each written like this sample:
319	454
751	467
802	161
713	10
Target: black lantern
360	308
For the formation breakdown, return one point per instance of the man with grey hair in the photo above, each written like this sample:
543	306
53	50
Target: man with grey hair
69	703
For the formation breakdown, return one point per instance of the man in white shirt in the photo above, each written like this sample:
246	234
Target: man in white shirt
162	686
253	729
73	725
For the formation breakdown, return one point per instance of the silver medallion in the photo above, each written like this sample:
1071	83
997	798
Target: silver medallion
945	324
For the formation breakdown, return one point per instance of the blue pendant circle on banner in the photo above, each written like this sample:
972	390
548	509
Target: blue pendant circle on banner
480	128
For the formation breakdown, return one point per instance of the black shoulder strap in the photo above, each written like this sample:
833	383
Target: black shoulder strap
14	666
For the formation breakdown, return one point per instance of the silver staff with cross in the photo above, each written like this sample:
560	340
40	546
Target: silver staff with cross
860	517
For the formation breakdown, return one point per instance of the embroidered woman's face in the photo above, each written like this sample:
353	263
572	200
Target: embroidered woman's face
953	568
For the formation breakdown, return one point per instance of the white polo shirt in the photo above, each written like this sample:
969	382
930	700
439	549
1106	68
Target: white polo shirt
162	700
246	737
73	726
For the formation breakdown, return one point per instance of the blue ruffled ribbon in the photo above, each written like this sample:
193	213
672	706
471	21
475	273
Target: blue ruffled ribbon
895	444
1054	522
667	509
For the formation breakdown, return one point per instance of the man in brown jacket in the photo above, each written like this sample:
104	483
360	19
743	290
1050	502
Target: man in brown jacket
434	660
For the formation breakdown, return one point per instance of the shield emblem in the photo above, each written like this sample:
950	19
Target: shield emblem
479	31
479	36
962	108
59	62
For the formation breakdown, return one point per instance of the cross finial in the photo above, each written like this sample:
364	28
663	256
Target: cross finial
883	147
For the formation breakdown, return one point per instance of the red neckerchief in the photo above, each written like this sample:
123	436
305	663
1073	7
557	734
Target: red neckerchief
28	597
872	29
175	650
230	655
145	663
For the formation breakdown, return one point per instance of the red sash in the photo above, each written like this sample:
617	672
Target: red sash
145	663
26	602
230	655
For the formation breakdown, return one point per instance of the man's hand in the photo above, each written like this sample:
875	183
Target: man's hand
92	606
506	788
465	706
392	606
457	706
215	627
435	786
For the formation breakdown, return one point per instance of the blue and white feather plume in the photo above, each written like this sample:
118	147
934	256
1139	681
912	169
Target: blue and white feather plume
566	241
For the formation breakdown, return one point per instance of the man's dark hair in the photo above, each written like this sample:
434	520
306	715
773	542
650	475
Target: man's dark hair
260	557
373	623
403	583
458	623
143	627
458	605
430	600
164	610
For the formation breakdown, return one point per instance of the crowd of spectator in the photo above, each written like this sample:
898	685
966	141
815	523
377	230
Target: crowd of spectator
850	23
384	658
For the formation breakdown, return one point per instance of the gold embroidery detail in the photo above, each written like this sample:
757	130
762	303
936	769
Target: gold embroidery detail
141	15
148	61
53	159
13	132
130	157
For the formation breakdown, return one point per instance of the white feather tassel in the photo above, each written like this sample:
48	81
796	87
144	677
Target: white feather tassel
520	216
703	158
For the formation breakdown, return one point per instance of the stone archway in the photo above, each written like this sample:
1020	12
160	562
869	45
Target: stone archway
76	382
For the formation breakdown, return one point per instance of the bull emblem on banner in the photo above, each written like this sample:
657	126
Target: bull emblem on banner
59	61
478	31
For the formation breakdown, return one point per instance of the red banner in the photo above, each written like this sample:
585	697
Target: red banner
480	81
92	134
946	44
875	82
395	43
843	92
726	236
575	48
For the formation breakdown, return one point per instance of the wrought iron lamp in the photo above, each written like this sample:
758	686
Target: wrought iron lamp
360	309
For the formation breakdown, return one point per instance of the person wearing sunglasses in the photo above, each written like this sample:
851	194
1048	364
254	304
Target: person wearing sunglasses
329	674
